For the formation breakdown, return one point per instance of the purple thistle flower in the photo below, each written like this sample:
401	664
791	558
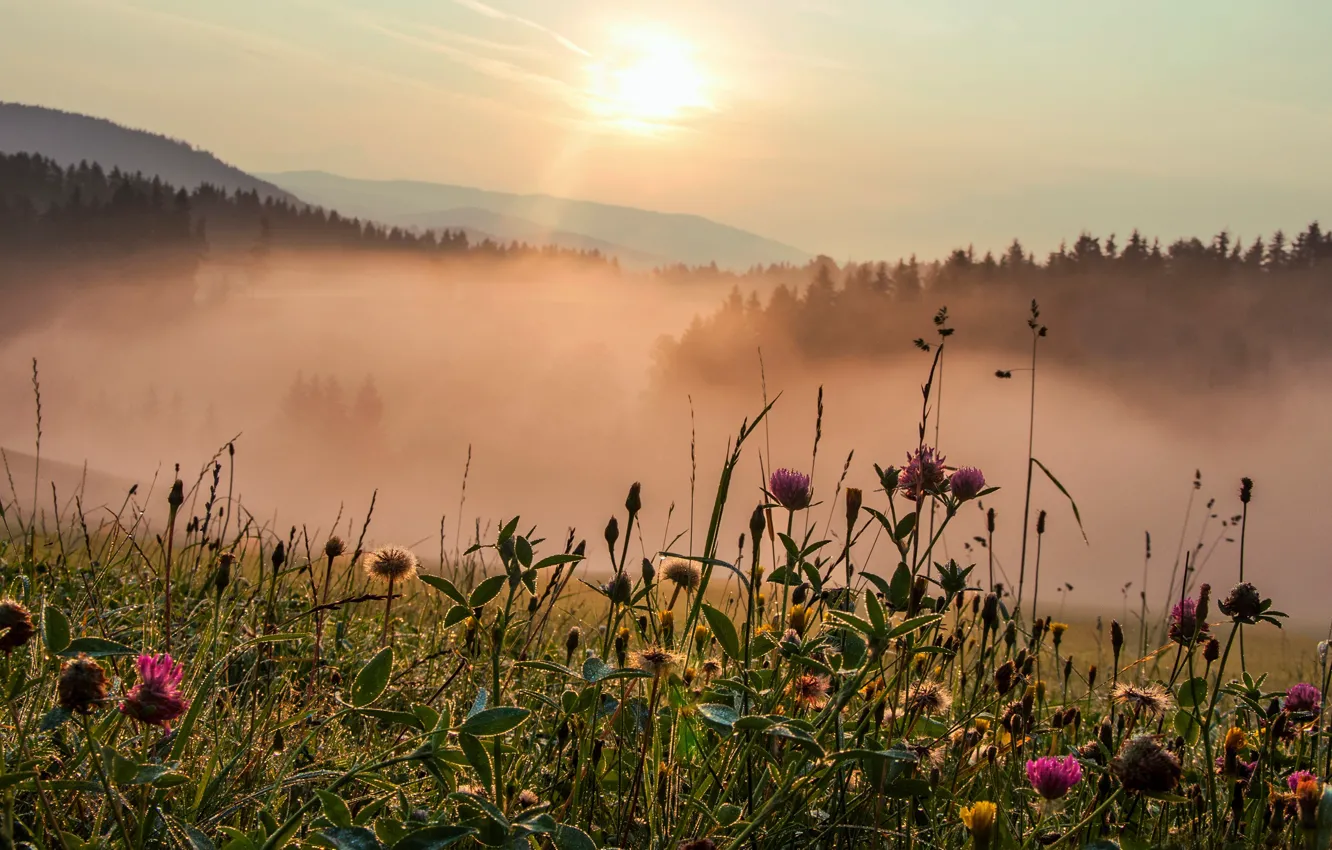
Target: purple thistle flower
923	474
1299	776
1242	771
790	488
156	699
1052	777
1302	697
967	483
1184	625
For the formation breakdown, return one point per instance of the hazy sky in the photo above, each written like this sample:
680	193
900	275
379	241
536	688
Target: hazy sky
859	128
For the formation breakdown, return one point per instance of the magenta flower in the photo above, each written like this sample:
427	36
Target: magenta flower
967	483
1184	622
1052	777
1299	776
1243	769
156	699
923	474
791	489
1302	697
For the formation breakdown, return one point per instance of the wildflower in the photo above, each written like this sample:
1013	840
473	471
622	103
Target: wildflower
156	699
684	574
334	547
1211	650
1142	699
1053	777
1144	766
82	685
1116	640
798	619
712	667
810	691
1293	781
854	499
979	820
1243	604
967	483
923	475
657	661
789	643
700	636
790	489
571	642
16	623
1003	677
698	844
527	798
1184	622
391	563
619	589
928	698
666	622
1302	698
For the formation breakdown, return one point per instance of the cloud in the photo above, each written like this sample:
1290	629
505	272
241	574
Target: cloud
500	15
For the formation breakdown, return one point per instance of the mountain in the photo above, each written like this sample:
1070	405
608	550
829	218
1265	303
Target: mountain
70	138
481	224
673	237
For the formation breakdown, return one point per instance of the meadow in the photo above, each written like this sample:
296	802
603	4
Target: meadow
180	673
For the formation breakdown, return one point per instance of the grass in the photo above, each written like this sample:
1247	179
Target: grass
335	697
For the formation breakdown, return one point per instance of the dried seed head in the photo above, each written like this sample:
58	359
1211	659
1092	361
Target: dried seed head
1144	766
391	563
334	547
16	627
82	685
684	574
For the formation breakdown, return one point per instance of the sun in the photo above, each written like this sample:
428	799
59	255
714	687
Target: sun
649	80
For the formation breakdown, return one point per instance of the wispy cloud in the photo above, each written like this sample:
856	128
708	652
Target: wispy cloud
500	15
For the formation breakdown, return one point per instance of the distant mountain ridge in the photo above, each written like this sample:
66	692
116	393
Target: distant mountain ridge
672	237
70	138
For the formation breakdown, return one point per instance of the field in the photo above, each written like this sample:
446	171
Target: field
182	675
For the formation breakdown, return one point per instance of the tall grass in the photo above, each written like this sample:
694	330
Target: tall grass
504	698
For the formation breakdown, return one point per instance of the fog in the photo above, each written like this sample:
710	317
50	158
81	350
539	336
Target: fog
545	378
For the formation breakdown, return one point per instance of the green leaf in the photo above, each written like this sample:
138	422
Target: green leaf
494	721
1185	725
572	838
95	648
351	838
908	626
182	736
523	549
335	809
875	610
456	615
724	630
853	621
1076	515
55	629
445	587
122	770
556	560
1193	692
905	526
486	591
478	758
901	587
373	678
718	715
547	667
594	669
404	718
433	837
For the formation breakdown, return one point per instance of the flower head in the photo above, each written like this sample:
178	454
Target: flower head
979	819
791	489
527	799
1293	781
1143	765
928	697
1302	697
334	547
15	626
1243	603
1146	699
923	475
967	483
156	699
82	685
657	661
684	574
391	563
1052	777
1184	622
810	691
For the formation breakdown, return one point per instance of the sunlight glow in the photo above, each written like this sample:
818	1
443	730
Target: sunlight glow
648	81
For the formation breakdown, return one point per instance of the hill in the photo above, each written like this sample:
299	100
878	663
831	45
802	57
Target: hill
673	237
70	138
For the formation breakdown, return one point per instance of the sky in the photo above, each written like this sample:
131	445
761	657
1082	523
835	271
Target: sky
862	129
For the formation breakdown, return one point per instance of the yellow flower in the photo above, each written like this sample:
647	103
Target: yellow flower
979	820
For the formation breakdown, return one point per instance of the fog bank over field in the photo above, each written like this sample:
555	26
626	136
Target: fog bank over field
548	379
